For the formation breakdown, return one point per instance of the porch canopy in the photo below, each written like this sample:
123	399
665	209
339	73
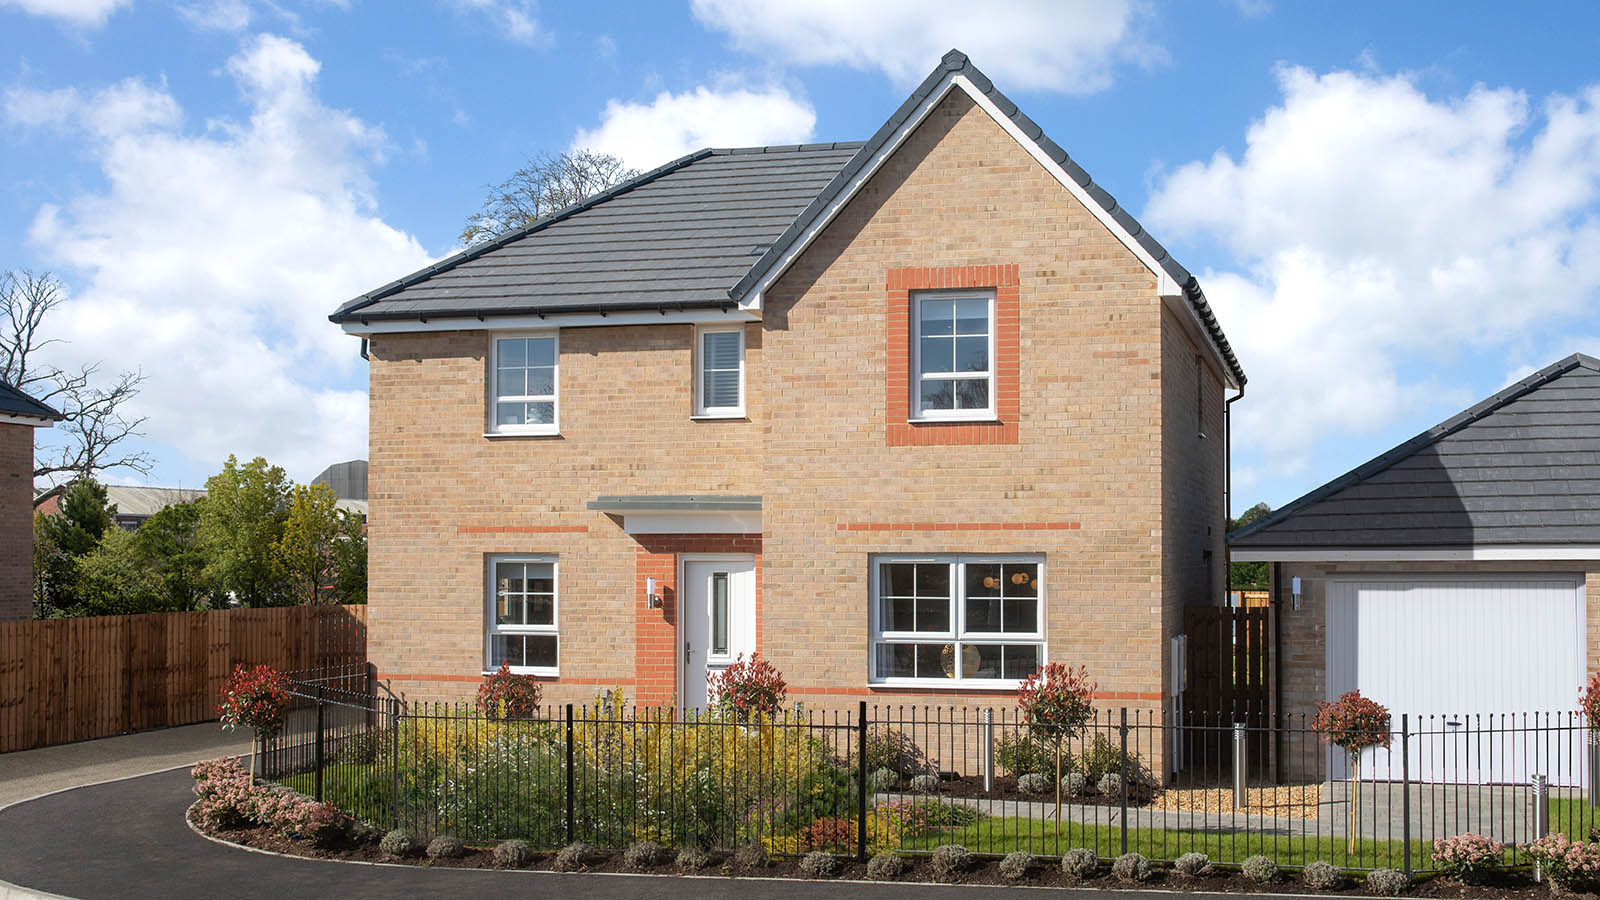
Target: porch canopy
683	513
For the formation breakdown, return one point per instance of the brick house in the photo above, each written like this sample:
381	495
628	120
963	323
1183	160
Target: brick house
19	416
908	417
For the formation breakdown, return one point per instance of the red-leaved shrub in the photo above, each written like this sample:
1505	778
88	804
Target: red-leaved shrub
829	833
1056	701
748	687
1589	701
504	695
255	698
1353	722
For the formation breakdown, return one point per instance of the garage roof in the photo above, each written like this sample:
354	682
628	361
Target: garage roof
1522	467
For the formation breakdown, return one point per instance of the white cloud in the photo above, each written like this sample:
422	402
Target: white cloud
212	257
1060	45
646	135
217	15
83	13
1383	239
516	20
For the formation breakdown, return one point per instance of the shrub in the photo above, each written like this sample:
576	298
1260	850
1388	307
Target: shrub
880	780
1323	875
1019	752
1131	867
1589	701
1387	882
227	794
1110	785
1056	700
398	843
513	854
1033	783
819	864
1074	784
1102	757
1260	869
644	854
255	698
950	861
693	859
919	816
750	857
1353	723
925	784
1565	862
445	847
747	688
504	695
888	748
829	833
574	856
326	825
887	865
1193	864
1016	865
1080	863
1468	857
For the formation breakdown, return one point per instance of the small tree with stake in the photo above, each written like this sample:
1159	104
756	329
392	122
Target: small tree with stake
1056	703
1353	723
256	698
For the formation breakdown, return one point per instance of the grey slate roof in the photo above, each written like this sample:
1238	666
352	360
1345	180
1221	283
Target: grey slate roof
957	62
700	503
15	403
1522	467
672	238
698	232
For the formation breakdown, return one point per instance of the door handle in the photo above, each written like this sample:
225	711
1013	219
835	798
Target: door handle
686	654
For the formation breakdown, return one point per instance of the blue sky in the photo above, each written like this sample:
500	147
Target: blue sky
1392	206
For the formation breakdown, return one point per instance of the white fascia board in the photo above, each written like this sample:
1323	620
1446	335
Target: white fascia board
30	421
551	320
690	522
1531	553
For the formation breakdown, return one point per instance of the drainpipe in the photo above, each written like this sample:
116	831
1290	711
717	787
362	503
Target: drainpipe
1227	488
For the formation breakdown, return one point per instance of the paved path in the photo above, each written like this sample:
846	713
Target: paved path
127	839
29	773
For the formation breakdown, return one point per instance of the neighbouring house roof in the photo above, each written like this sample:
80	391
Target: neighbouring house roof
668	502
348	479
703	231
1522	467
135	503
14	402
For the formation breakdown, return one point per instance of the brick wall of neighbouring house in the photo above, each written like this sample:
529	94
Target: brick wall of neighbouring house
1080	478
16	522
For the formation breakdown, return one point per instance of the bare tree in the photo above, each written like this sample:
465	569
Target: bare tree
95	427
547	184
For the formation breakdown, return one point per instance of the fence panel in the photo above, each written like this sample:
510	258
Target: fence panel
67	680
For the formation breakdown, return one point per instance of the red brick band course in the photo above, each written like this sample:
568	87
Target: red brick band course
959	526
522	529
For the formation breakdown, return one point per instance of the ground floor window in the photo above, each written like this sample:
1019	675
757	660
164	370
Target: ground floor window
957	620
522	614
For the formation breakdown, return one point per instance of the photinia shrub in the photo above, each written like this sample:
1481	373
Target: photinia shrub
748	688
255	698
1056	701
1353	722
1589	701
505	695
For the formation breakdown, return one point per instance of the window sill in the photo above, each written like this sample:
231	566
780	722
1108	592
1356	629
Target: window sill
522	434
944	684
988	419
736	416
527	670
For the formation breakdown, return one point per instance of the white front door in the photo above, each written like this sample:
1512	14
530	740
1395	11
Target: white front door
719	622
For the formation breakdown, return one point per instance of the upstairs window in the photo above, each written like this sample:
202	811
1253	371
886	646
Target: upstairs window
719	371
523	383
952	355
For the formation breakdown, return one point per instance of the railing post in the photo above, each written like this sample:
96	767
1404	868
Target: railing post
394	759
572	830
988	750
317	757
1405	786
1241	767
861	780
371	686
1124	771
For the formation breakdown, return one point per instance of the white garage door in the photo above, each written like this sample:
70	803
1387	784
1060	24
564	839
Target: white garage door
1467	658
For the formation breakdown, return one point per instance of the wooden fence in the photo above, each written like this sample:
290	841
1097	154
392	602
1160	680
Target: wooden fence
1230	666
67	680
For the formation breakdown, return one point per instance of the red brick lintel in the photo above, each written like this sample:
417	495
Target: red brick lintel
959	526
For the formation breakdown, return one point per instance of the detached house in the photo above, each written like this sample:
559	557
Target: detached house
909	417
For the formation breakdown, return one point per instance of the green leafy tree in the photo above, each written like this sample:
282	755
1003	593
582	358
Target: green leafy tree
63	539
241	522
306	551
168	543
350	560
1248	576
115	579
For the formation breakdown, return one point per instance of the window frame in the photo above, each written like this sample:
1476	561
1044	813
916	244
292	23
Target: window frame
956	634
491	628
493	427
701	411
914	333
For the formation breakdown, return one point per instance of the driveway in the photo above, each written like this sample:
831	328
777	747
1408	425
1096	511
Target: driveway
127	839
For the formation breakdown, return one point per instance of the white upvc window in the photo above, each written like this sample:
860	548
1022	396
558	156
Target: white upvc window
719	371
523	380
952	355
957	621
521	616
